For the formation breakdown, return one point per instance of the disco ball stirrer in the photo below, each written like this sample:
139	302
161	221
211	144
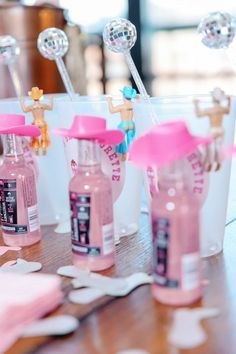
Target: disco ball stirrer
119	36
9	50
217	30
53	44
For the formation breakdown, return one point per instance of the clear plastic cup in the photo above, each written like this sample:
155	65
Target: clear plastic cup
211	188
52	177
126	179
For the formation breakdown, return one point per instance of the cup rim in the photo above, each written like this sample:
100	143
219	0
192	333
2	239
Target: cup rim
170	99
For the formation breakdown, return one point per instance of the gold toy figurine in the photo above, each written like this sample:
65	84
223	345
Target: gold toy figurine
126	113
215	114
37	110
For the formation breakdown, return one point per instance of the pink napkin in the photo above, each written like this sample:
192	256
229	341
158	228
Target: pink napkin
23	299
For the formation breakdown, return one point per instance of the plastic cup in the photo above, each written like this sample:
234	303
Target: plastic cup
52	178
211	188
126	179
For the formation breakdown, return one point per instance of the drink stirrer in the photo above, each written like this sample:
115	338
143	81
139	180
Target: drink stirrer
119	36
9	50
53	44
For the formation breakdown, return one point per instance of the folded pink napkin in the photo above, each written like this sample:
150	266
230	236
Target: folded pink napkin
23	299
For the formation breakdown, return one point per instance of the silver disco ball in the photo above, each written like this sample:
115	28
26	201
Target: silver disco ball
9	49
119	35
52	43
217	30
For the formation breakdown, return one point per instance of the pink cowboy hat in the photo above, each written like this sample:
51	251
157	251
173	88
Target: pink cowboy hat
164	143
15	124
91	127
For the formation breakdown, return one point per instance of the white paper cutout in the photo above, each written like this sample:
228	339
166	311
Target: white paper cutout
133	281
72	271
52	326
20	266
83	296
186	331
99	281
4	249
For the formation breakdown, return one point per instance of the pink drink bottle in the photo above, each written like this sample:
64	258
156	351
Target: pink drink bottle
18	198
175	230
91	211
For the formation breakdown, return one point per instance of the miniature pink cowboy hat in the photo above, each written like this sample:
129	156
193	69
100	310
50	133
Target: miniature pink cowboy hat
15	124
165	143
91	127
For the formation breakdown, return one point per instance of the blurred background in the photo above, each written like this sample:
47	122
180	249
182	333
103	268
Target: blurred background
168	52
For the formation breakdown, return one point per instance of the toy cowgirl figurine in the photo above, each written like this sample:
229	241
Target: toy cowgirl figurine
126	114
215	115
37	110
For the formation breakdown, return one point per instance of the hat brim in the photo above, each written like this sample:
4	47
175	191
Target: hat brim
22	130
143	155
107	136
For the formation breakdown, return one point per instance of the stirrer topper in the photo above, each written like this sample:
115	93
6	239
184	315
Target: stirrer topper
126	125
37	109
119	35
52	43
217	30
9	49
215	113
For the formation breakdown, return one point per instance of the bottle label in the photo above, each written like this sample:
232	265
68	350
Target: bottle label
108	239
8	207
188	276
33	218
30	202
160	241
190	271
80	205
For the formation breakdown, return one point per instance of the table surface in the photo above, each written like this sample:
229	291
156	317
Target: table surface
110	324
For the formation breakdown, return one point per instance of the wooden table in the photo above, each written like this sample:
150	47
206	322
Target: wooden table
112	324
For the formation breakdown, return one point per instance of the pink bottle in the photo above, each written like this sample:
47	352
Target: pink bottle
175	232
18	199
91	211
174	211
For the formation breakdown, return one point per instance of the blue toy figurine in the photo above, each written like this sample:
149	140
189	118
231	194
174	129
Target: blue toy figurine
126	113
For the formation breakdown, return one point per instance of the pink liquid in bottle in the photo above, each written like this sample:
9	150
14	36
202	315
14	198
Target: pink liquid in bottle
18	198
175	231
91	211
